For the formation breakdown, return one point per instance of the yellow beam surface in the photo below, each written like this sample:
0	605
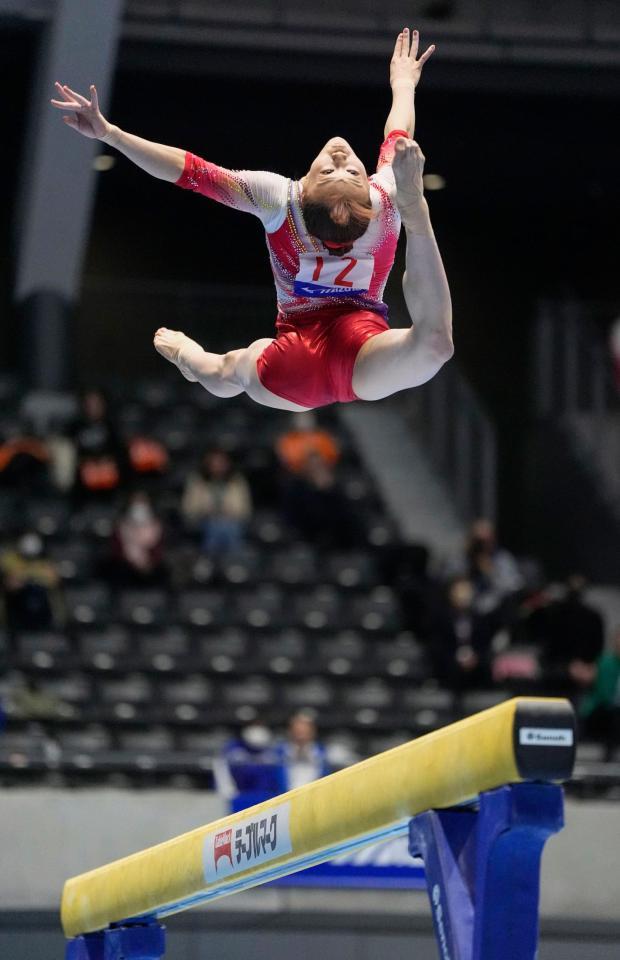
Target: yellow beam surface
360	804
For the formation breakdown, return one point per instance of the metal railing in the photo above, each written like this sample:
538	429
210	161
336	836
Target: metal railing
460	440
574	384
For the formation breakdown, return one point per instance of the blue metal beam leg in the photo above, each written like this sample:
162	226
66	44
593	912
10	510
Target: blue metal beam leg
483	870
136	941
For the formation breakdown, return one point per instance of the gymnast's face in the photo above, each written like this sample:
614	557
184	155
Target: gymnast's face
337	163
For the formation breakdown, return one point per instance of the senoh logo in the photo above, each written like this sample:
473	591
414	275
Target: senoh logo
222	847
247	843
545	737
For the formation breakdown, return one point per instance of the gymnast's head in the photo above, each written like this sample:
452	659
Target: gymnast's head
336	197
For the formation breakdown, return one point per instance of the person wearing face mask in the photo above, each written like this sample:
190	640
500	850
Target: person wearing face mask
332	239
137	555
30	586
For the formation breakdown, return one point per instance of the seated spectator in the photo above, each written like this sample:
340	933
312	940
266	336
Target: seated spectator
101	460
30	586
570	634
24	462
217	500
314	503
147	457
492	570
137	545
301	756
600	709
249	769
30	702
303	440
460	638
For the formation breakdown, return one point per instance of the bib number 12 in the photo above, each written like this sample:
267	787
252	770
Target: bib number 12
333	276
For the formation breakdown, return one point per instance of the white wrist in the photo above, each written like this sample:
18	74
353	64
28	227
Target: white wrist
113	137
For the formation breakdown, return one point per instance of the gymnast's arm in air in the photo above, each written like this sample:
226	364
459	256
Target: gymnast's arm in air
405	73
84	116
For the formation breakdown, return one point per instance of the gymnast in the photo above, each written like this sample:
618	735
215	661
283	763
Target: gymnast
332	239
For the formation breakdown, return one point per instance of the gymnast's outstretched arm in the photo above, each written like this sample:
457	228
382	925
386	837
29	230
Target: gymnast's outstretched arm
405	73
252	191
165	163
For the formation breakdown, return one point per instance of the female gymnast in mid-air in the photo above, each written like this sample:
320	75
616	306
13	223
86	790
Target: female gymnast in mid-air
332	240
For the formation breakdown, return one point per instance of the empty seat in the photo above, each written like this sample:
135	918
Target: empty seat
127	698
374	693
164	650
251	691
261	608
208	742
351	570
19	751
95	519
203	608
242	566
428	708
320	609
152	740
108	649
341	654
47	517
143	608
379	611
89	604
43	651
287	643
224	650
92	738
295	565
268	528
315	692
74	560
194	689
402	657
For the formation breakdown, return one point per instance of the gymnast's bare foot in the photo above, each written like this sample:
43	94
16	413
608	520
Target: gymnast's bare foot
179	349
408	165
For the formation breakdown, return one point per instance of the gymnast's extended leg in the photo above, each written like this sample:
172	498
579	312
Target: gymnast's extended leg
400	359
222	374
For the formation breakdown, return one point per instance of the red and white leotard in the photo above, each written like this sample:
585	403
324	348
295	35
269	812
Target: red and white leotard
314	290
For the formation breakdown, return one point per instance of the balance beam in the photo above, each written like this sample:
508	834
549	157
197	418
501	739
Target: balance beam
521	739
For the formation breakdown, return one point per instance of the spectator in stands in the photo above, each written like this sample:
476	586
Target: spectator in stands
101	459
148	458
492	570
30	586
313	502
303	440
460	638
217	500
23	462
137	545
249	769
30	702
600	709
570	634
301	756
2	718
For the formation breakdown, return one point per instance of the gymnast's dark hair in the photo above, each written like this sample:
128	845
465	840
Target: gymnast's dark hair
336	217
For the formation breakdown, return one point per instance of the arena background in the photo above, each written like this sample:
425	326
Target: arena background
516	114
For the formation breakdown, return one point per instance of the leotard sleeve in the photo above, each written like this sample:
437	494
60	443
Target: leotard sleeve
253	191
384	175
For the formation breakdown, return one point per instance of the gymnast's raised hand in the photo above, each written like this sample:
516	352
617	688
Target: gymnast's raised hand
331	238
